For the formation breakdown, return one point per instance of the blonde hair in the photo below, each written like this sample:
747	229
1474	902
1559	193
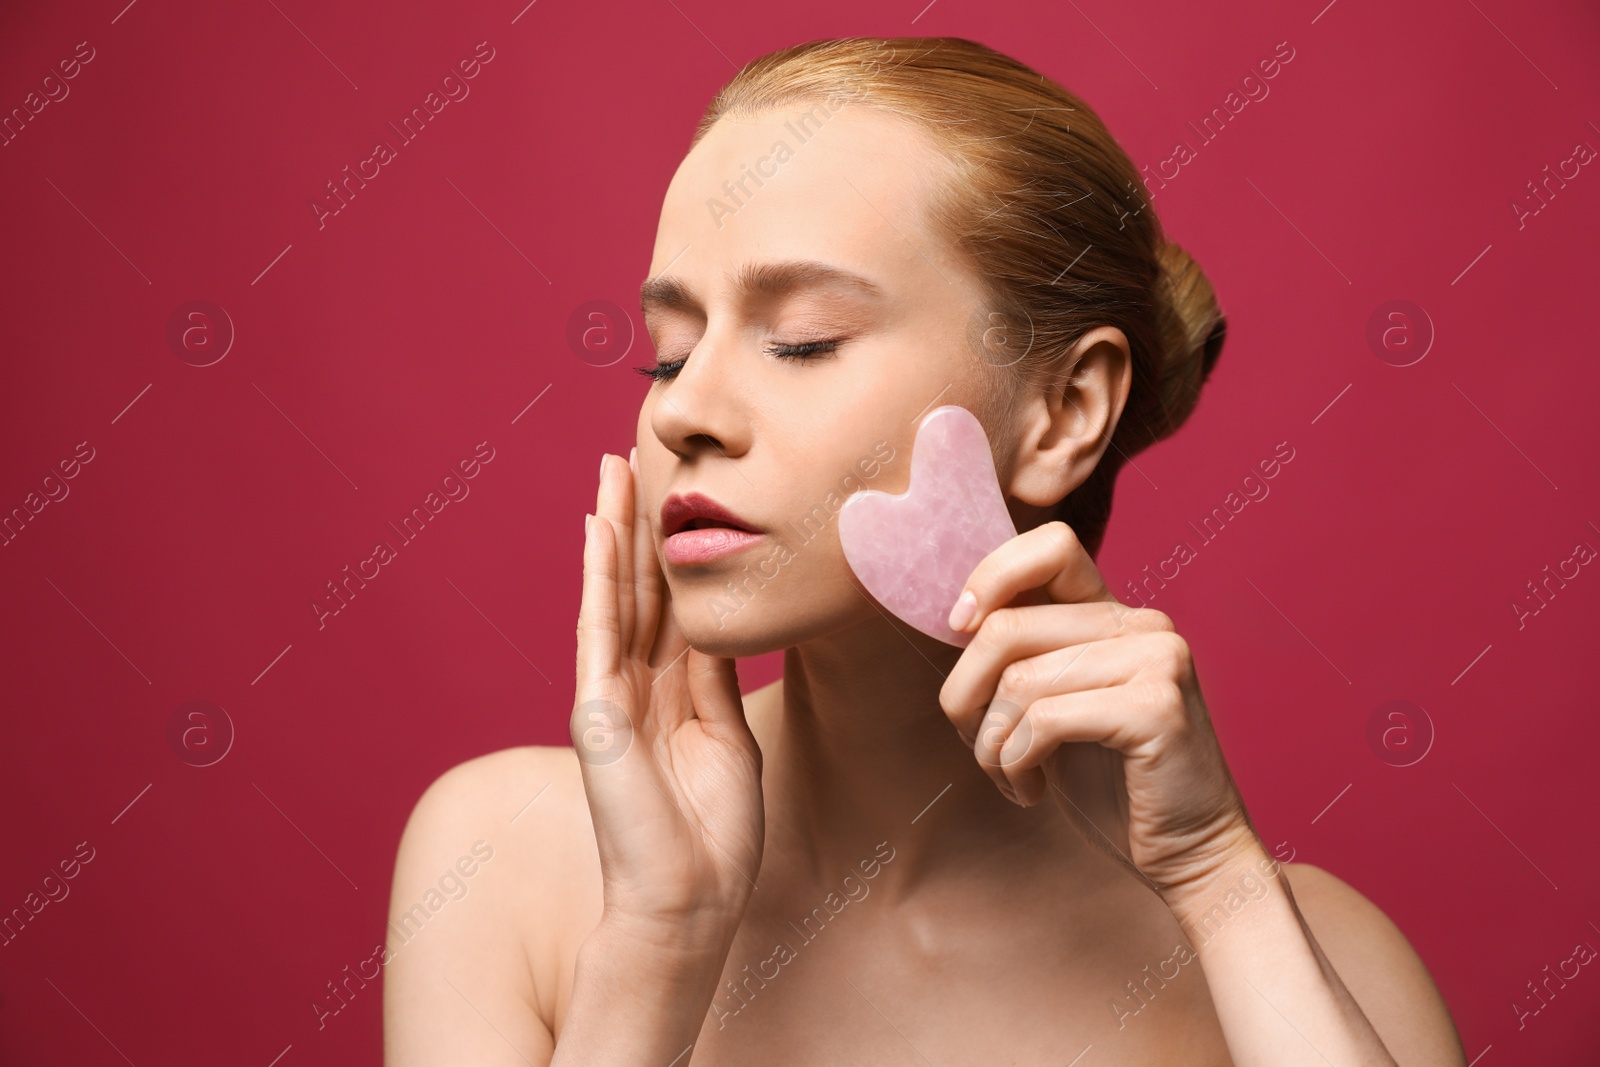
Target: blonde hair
1046	206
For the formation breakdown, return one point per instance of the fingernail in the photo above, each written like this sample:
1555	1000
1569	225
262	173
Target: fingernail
587	526
965	608
603	457
633	458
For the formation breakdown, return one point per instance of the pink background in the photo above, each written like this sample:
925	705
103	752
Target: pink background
375	352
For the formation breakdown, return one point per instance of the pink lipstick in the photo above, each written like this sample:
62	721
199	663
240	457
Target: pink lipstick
697	530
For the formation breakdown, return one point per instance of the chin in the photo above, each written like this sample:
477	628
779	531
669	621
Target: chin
720	621
721	627
733	644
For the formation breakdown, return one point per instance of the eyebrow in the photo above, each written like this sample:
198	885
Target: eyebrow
770	279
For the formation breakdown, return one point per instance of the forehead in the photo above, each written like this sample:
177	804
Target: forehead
848	186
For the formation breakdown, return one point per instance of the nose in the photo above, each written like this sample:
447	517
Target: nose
705	408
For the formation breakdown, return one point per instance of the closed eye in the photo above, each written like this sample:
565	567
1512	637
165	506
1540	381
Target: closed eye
807	350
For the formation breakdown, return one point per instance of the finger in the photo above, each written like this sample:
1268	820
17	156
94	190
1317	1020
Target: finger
714	692
647	577
1122	717
614	503
987	739
599	644
1057	632
670	646
1095	665
1048	556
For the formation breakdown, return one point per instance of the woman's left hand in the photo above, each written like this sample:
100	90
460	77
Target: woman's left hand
1085	668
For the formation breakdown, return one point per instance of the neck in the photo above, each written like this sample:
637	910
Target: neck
857	752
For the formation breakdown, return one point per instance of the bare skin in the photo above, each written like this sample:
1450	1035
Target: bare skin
981	888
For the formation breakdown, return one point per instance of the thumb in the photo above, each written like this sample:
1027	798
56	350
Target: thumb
714	692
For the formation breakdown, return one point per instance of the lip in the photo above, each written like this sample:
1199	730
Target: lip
685	547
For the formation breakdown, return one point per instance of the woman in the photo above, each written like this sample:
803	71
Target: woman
823	870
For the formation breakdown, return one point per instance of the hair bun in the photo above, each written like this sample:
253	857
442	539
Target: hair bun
1193	330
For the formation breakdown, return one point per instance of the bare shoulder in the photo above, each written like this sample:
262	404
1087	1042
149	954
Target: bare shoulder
489	892
1380	968
503	789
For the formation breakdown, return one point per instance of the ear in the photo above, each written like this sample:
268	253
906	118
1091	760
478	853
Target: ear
1064	425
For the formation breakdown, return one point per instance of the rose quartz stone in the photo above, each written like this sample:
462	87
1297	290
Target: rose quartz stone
914	552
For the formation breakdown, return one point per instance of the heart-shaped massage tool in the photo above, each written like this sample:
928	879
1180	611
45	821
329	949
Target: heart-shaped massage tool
914	552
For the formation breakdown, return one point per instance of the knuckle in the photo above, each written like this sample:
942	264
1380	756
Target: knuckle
1065	537
998	719
1172	651
1166	701
1158	697
1017	677
1000	629
1151	619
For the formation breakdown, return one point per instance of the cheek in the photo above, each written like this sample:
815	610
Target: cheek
653	461
811	533
643	437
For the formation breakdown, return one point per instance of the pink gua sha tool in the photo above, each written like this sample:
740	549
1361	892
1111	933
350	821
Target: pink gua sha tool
914	552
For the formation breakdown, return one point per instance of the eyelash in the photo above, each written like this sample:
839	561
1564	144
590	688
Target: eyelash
808	350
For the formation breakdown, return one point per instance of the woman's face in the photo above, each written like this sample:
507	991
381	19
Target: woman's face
792	229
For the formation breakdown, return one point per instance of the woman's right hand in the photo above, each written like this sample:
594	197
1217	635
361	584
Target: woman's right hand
670	767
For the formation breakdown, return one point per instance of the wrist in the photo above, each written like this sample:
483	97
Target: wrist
1241	873
684	943
640	992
